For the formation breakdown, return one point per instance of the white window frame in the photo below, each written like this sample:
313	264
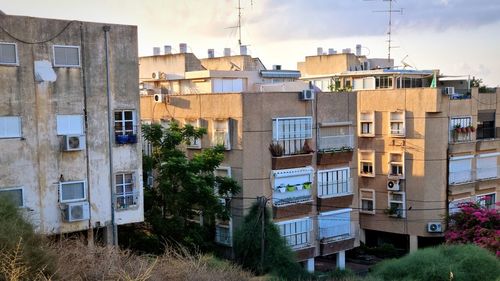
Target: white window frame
336	223
19	129
282	225
396	163
300	194
361	161
292	141
229	228
123	194
460	180
227	133
454	205
60	118
17	55
461	137
393	119
69	47
390	201
124	121
23	203
72	200
195	142
372	198
480	174
367	118
482	203
333	172
334	142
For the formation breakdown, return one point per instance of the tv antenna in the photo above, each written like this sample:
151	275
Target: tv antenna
238	26
390	11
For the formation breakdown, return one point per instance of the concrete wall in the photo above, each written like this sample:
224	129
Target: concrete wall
36	161
327	64
174	64
234	63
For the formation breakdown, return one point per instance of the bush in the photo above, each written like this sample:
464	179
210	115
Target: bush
443	263
23	254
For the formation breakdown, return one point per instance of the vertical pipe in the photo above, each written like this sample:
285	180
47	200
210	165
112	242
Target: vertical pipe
106	30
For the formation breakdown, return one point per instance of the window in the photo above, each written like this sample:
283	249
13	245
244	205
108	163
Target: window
297	233
222	171
125	122
14	194
487	200
72	191
66	56
221	133
485	124
397	204
397	124
335	136
486	165
334	182
292	186
8	54
335	225
125	191
396	165
227	85
454	206
367	198
291	133
223	234
460	170
367	83
147	146
383	82
366	163
367	124
460	129
69	124
194	143
10	127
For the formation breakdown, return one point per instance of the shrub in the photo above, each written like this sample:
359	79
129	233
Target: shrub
23	254
446	262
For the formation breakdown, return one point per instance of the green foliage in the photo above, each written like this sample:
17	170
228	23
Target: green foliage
20	247
184	186
462	262
279	259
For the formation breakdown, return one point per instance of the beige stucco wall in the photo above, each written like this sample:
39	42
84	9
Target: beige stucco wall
239	63
36	161
327	64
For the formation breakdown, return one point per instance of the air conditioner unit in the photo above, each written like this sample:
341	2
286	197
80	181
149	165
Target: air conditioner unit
449	91
158	97
393	185
76	211
158	75
434	227
74	142
306	95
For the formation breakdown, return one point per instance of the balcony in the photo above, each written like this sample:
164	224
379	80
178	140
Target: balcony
469	176
283	157
465	134
335	149
292	194
456	94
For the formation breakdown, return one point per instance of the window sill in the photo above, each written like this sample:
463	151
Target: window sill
335	195
366	135
367	175
127	208
367	212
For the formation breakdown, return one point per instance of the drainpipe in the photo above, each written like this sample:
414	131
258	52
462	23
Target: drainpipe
106	30
447	209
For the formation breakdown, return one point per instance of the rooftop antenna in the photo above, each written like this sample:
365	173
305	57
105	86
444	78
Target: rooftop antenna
390	11
238	26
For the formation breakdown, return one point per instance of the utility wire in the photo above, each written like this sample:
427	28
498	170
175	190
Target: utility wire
37	42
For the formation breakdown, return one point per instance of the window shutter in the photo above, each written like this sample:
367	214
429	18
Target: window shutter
8	53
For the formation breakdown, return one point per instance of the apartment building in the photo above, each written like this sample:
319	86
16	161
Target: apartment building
309	173
425	144
69	112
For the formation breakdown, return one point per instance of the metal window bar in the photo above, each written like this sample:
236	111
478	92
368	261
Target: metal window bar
223	235
460	137
335	142
291	133
338	226
334	183
297	234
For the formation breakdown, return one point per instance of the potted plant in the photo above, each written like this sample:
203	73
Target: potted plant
290	187
472	129
299	187
307	185
276	149
457	128
282	188
392	211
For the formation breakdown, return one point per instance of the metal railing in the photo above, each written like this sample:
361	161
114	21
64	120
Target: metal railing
335	188
285	196
126	199
335	142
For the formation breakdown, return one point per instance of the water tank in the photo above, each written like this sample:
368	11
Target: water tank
277	67
211	53
243	50
358	50
319	51
346	51
331	51
227	52
167	49
183	48
156	51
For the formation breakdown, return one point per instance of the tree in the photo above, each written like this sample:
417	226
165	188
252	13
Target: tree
184	187
277	259
475	224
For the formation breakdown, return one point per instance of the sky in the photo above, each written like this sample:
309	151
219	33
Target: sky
459	37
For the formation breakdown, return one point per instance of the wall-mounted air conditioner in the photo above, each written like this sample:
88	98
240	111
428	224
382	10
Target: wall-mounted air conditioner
76	211
306	95
158	75
158	97
393	185
434	227
74	142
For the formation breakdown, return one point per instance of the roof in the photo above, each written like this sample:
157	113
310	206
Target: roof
280	74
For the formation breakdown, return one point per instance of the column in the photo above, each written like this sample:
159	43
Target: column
341	260
310	265
413	243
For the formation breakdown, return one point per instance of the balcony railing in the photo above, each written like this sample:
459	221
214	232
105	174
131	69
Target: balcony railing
338	231
292	194
468	176
457	94
336	142
126	200
334	188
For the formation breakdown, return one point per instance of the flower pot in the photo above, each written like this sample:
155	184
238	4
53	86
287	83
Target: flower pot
282	189
307	185
472	129
121	139
132	139
299	187
290	188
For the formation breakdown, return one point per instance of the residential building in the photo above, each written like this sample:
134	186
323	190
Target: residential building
69	114
309	178
425	143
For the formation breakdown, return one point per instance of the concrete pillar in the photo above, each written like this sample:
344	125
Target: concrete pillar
310	265
108	235
341	260
90	238
362	236
413	243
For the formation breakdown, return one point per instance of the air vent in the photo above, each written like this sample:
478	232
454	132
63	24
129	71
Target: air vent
434	227
74	142
306	95
77	211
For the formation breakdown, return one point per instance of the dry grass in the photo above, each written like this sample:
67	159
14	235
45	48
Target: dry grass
76	261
